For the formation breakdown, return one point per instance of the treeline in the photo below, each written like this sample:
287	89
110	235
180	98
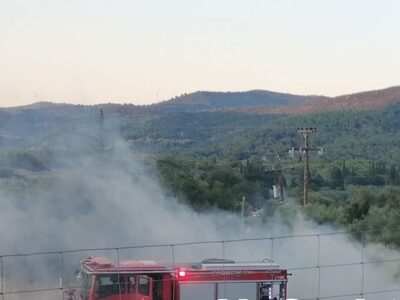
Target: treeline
355	184
373	135
371	213
208	183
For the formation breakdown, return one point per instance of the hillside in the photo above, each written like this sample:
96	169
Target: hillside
369	100
267	102
206	101
212	158
256	101
200	121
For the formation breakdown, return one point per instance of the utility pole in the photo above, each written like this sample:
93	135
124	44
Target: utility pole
306	131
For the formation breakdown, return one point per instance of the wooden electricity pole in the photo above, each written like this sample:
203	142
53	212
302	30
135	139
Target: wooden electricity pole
306	131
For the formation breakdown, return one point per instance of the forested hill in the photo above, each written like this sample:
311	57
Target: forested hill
370	100
203	100
267	102
201	122
210	159
256	101
370	134
344	134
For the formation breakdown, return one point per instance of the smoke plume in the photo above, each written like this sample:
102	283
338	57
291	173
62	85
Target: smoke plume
97	193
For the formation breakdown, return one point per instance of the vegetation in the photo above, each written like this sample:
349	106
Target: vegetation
355	184
214	182
214	159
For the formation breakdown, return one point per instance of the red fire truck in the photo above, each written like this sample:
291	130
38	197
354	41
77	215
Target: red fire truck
212	279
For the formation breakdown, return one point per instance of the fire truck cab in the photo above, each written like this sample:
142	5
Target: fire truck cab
212	279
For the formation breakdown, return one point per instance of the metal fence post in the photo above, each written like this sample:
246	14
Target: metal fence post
118	277
173	253
362	263
223	268
2	278
223	249
272	248
62	274
318	264
118	258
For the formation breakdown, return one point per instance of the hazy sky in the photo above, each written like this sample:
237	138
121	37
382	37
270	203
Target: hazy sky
143	51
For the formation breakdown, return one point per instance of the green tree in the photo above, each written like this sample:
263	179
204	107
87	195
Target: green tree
337	179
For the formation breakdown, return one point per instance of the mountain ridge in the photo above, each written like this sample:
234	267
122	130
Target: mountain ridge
366	100
252	101
206	100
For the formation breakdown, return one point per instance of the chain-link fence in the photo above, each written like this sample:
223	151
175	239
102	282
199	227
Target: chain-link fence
323	266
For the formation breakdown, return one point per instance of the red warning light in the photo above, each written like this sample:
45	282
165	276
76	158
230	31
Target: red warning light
182	273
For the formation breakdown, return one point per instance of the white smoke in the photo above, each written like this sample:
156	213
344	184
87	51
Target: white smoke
110	200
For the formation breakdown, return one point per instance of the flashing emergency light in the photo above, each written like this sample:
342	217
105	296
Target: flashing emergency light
182	273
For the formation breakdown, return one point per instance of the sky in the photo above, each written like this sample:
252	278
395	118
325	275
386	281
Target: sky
146	51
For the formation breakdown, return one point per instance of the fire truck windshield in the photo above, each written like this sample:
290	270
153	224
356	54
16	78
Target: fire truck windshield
109	285
113	284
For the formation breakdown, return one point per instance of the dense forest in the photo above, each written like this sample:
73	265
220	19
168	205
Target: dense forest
214	159
354	184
